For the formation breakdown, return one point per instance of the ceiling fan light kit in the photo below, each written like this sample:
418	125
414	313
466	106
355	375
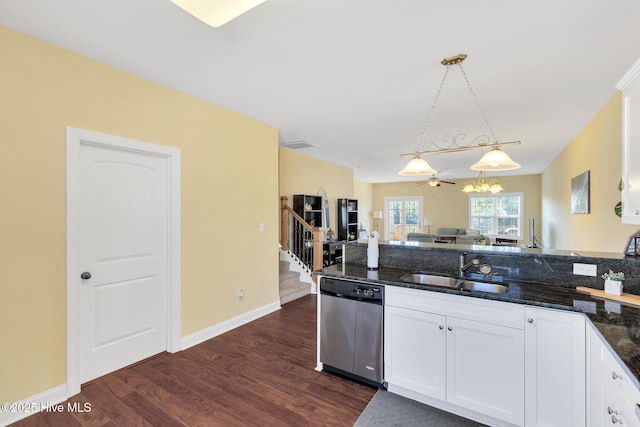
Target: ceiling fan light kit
219	12
494	160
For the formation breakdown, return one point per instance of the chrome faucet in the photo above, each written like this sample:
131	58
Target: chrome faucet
464	266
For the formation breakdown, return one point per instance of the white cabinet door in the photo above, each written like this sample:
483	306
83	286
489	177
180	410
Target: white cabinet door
485	366
595	380
414	351
630	87
554	368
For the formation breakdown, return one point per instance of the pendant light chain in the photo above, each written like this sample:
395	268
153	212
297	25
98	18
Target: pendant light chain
494	160
433	108
486	121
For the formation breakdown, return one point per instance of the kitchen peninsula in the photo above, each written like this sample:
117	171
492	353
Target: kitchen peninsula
601	341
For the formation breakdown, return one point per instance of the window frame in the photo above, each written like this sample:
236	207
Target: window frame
387	200
495	215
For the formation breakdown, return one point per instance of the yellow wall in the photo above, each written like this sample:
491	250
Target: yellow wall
363	191
597	148
301	174
229	186
448	206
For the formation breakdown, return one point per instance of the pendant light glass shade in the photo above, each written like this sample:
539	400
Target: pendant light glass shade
417	167
495	160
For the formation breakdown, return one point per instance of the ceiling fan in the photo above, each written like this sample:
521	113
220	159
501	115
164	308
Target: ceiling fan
434	181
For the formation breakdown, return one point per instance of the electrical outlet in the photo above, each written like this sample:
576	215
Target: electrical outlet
240	295
585	269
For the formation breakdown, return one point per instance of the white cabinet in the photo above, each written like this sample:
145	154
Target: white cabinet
481	359
630	87
457	350
415	346
484	368
612	393
554	368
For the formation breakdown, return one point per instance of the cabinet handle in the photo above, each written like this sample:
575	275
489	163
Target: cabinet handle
616	420
615	375
530	320
450	328
441	327
611	411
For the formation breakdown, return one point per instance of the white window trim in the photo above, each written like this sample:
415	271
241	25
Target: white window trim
520	235
385	215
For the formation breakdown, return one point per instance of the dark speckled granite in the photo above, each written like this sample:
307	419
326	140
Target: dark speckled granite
533	279
507	262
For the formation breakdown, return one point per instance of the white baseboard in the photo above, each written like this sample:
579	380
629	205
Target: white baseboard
49	399
34	404
227	325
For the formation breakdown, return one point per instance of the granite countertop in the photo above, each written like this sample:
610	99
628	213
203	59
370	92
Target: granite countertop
619	324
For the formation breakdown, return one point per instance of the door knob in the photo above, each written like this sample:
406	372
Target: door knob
86	275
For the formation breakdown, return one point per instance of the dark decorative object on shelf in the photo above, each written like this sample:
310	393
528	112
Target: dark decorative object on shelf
633	245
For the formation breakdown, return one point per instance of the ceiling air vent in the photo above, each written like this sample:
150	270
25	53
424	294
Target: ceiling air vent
296	145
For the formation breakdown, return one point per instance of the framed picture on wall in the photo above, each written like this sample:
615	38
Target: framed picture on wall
580	193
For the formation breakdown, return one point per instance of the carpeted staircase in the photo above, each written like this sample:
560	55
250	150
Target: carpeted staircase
291	287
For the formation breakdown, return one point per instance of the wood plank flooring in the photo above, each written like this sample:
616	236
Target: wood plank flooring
261	374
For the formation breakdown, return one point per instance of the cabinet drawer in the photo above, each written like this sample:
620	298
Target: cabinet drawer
476	309
619	376
618	410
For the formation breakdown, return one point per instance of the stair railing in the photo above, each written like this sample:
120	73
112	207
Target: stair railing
299	238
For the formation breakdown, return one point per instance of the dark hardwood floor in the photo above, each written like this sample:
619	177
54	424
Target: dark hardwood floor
261	374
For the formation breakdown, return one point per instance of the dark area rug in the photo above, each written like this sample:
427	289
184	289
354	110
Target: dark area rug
388	409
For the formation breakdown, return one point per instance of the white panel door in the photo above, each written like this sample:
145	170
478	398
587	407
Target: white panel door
414	351
485	365
555	368
122	223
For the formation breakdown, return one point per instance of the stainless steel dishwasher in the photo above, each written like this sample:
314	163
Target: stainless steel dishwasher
351	316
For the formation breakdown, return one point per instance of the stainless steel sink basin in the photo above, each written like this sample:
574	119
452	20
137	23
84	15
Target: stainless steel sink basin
453	283
482	287
430	279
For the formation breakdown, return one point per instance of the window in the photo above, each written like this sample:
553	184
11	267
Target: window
402	215
498	215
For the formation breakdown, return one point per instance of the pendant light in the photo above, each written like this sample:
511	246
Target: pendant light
417	167
494	160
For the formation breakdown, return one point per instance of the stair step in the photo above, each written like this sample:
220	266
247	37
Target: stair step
291	288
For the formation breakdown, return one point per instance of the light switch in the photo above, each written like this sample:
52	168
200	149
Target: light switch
585	269
261	227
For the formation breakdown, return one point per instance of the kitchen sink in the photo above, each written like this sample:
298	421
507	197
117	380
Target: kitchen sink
430	279
453	283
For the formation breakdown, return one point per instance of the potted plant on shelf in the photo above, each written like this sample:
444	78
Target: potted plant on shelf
480	239
613	282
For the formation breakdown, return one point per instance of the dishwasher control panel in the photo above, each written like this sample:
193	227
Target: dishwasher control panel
351	289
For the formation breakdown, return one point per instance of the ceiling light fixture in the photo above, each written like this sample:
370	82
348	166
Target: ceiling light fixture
219	12
494	160
482	185
417	167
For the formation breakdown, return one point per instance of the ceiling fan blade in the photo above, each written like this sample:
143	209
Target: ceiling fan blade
448	182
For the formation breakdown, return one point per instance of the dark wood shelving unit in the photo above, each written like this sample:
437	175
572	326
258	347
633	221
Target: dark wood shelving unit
347	219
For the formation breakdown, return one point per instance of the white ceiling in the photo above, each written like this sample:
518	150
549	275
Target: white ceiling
356	78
